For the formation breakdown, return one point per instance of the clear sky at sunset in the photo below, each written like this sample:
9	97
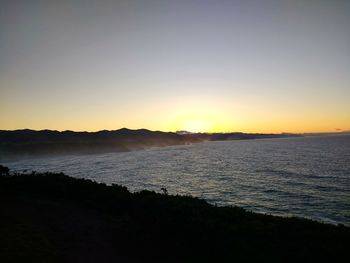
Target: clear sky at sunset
251	66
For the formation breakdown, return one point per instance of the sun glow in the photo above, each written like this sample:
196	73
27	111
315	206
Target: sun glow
200	113
197	126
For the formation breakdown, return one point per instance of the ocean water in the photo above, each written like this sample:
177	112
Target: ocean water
306	177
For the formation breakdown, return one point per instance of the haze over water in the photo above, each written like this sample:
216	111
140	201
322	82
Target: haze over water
306	177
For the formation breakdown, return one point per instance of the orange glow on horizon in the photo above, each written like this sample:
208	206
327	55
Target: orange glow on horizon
194	114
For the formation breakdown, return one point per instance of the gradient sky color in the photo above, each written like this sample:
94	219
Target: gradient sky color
251	66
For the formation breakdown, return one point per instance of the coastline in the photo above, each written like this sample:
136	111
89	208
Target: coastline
54	217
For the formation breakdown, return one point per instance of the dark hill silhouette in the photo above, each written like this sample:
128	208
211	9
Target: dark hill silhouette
55	218
27	142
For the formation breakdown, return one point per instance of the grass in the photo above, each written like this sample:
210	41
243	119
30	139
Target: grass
49	217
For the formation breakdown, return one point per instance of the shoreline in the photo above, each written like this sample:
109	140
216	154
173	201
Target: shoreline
68	219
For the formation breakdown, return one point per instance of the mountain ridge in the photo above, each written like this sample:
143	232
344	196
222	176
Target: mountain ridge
27	142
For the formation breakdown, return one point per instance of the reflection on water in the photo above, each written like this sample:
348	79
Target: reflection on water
308	177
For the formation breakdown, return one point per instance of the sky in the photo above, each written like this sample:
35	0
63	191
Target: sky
196	65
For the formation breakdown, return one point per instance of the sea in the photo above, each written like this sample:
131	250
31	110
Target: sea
305	176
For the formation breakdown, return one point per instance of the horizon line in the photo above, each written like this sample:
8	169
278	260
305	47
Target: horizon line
178	131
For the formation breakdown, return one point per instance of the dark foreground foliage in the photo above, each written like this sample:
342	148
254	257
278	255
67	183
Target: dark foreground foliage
55	218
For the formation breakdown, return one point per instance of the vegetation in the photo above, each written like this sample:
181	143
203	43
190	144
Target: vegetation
50	217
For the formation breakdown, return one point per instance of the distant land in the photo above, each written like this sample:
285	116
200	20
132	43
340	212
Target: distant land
25	143
28	143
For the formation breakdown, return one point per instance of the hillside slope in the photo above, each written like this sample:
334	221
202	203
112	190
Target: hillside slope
56	218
